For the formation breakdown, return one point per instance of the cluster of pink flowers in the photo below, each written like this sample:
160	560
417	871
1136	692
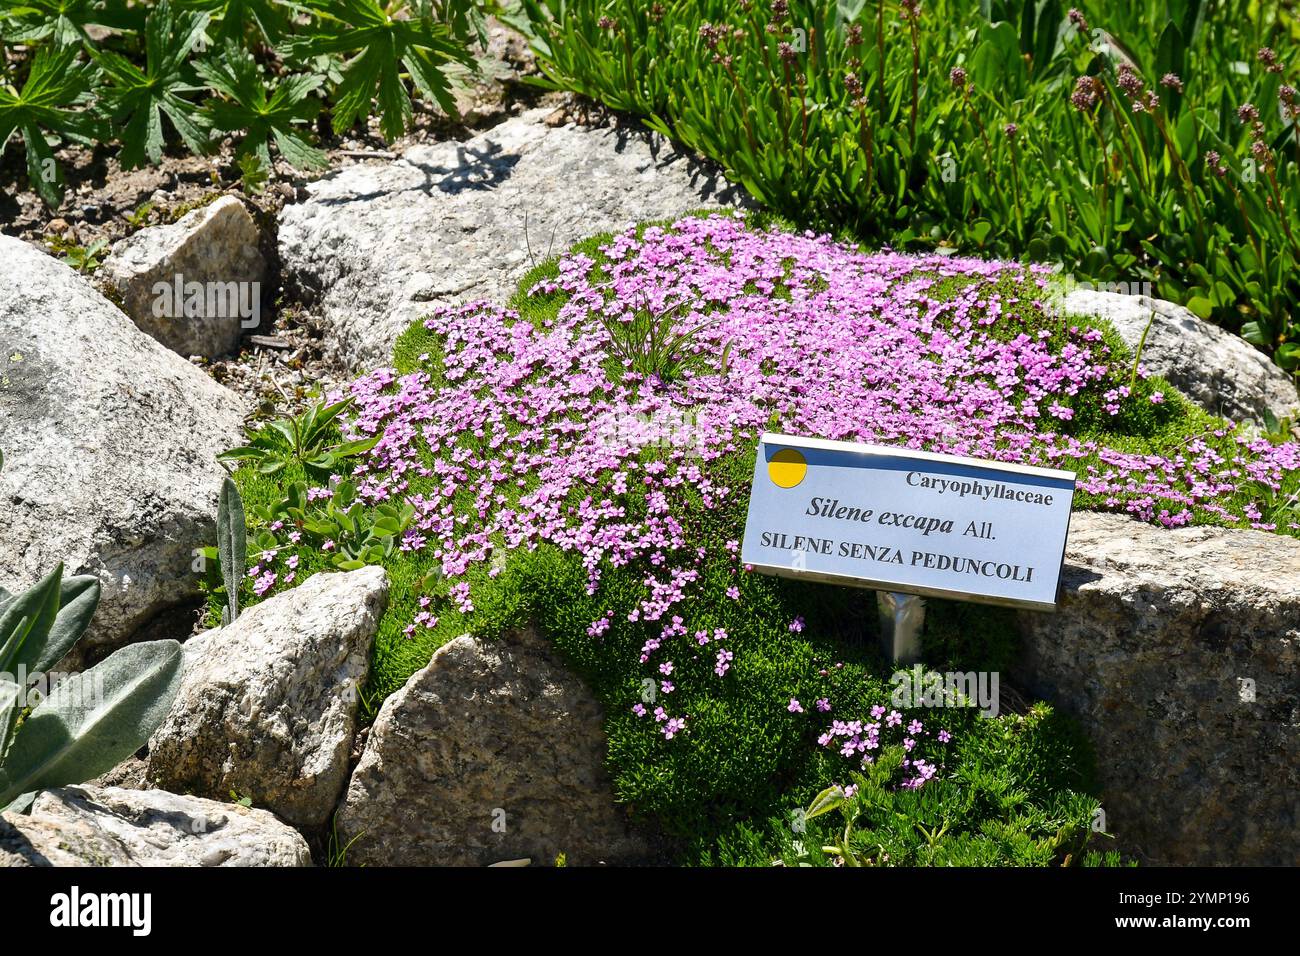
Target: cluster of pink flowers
526	440
860	740
264	578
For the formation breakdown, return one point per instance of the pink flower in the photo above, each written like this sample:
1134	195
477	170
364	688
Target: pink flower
723	663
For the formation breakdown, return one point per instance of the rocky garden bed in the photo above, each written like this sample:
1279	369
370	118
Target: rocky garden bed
426	550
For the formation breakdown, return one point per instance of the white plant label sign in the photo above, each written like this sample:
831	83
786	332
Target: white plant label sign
908	521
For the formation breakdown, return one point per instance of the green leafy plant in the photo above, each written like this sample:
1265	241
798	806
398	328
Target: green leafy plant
138	97
90	721
1278	430
263	117
232	547
853	847
652	344
363	536
259	70
139	218
62	21
360	534
307	439
56	85
882	824
238	20
253	174
381	41
85	258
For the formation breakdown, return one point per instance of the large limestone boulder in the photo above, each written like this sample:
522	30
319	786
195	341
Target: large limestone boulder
375	245
268	705
1179	651
106	826
1217	370
492	752
194	284
109	445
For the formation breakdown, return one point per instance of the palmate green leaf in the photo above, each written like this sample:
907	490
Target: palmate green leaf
381	44
238	19
248	107
64	21
56	85
466	19
139	97
94	720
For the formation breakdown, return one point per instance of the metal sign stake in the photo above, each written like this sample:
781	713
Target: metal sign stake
901	618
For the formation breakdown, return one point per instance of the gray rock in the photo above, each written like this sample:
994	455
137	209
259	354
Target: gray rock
217	248
1179	651
375	245
1216	369
492	752
267	706
106	826
130	774
109	443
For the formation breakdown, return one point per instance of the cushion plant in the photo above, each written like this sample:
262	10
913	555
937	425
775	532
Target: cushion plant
528	469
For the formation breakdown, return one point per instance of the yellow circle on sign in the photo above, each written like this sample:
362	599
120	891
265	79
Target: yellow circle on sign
786	468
